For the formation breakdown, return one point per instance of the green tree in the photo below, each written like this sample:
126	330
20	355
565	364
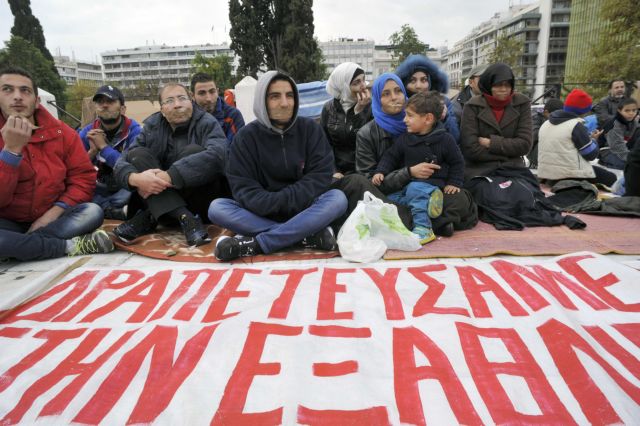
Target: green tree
218	67
20	53
142	90
27	26
508	50
248	34
275	34
300	55
404	43
616	53
75	94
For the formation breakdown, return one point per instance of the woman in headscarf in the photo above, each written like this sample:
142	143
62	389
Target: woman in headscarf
344	127
345	114
388	101
496	125
420	74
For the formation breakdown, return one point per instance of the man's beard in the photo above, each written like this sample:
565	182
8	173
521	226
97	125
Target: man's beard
109	121
109	118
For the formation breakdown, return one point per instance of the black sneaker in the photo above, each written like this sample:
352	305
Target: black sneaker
94	243
228	248
194	231
322	240
141	224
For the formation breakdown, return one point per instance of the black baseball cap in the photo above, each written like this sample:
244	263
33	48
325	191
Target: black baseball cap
110	92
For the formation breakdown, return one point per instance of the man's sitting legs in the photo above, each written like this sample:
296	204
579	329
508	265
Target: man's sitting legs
73	233
170	203
114	204
268	236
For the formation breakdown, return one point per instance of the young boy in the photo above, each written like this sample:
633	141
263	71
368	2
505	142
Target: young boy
566	148
426	141
621	136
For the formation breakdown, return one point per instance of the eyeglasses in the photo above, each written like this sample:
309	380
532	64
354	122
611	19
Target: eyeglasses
171	101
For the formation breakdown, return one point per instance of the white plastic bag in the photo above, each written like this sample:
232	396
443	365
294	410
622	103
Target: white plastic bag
372	228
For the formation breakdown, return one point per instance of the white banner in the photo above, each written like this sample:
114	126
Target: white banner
430	343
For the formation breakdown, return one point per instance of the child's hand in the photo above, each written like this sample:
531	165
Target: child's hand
596	134
377	179
423	170
450	189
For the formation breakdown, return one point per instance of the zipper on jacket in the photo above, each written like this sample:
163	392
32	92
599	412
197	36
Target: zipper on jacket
533	198
284	152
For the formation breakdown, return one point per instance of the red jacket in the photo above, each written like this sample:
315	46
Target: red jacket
54	167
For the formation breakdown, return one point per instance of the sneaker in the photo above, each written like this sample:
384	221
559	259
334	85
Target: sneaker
228	248
194	231
425	234
435	204
96	242
445	230
324	239
142	223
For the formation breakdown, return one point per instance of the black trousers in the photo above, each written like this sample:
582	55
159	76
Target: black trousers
603	176
632	172
195	199
459	209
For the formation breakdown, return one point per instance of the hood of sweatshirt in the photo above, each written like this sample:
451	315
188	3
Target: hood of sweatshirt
260	100
560	116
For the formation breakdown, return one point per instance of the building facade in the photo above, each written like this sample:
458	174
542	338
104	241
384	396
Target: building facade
543	30
382	60
360	51
156	65
586	26
78	71
554	40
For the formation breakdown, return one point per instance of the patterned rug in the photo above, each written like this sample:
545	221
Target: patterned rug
603	234
170	244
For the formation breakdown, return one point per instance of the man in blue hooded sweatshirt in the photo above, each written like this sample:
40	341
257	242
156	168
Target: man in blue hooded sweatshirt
279	168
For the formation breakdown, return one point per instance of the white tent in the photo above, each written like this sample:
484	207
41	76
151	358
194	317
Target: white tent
244	97
45	99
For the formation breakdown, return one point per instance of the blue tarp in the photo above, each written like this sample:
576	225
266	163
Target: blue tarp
313	96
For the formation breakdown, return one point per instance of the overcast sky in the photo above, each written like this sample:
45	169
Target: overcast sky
88	28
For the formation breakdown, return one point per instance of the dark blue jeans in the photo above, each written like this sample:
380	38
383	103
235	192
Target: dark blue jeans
49	241
106	199
612	161
416	195
272	235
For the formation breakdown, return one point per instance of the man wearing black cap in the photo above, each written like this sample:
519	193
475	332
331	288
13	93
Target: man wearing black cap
105	139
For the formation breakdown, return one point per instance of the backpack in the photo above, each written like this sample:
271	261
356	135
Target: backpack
510	199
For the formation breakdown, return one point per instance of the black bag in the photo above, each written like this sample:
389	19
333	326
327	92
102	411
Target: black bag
510	199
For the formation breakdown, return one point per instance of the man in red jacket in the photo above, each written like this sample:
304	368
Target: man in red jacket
47	180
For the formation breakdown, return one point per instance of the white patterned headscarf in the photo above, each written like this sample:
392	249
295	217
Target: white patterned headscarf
339	82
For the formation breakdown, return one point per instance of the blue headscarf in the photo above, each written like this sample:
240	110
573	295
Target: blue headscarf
393	124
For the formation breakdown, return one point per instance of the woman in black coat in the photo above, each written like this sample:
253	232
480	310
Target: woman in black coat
345	114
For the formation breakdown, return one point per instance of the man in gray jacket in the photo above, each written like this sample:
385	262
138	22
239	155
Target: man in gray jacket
176	167
606	109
